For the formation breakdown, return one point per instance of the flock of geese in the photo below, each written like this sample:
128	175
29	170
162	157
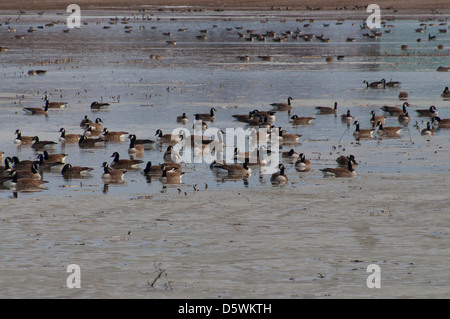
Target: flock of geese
28	174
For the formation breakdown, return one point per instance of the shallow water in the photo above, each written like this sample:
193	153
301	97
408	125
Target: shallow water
93	63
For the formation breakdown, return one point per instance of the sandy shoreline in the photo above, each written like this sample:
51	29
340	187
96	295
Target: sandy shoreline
228	4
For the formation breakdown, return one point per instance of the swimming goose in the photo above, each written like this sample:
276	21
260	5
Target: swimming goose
270	115
428	131
206	116
54	158
438	122
393	84
302	164
118	163
291	154
96	126
233	169
431	111
376	84
395	111
343	161
92	132
146	143
183	119
135	149
157	169
388	131
339	171
295	119
243	117
47	165
288	137
36	110
99	106
327	109
32	173
377	118
86	122
279	177
23	140
171	156
20	184
167	138
112	175
446	92
17	164
54	105
115	136
85	142
347	117
68	138
39	145
69	171
404	118
170	175
283	106
360	133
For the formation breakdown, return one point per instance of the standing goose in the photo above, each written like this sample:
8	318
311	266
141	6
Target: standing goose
404	118
69	171
377	118
279	177
39	145
430	112
54	158
438	122
183	119
327	109
303	164
206	116
112	175
395	111
296	120
23	140
115	136
428	131
340	171
68	138
283	106
360	133
54	105
118	163
446	92
36	110
171	175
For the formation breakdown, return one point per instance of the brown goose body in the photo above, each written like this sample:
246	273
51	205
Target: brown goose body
339	171
279	177
39	145
360	133
430	112
23	140
206	116
119	163
283	106
68	138
327	109
303	164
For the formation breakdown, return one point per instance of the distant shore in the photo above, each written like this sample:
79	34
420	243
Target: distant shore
439	6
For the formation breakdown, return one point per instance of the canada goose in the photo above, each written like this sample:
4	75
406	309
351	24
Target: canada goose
135	149
360	133
32	173
36	110
96	125
17	164
170	175
279	177
327	109
54	158
283	106
85	142
85	122
99	106
393	84
167	138
343	161
347	117
302	164
146	143
376	84
388	131
428	131
291	154
339	171
91	131
112	175
446	92
20	184
404	118
431	111
115	136
206	116
377	118
438	122
171	156
68	138
183	119
295	119
395	111
47	165
157	169
38	145
288	137
243	117
254	120
234	169
23	140
69	171
54	105
118	163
